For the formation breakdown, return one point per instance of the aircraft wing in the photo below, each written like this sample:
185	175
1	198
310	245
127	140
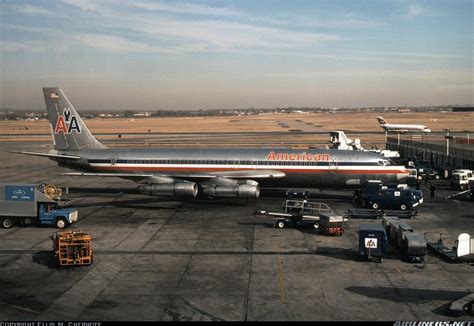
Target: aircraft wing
137	177
242	174
73	157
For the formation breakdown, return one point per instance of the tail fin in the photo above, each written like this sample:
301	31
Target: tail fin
67	128
381	120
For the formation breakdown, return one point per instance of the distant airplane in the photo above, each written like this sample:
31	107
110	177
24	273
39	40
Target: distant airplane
213	172
339	140
401	127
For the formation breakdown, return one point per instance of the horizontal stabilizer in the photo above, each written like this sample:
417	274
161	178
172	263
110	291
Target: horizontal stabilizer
72	157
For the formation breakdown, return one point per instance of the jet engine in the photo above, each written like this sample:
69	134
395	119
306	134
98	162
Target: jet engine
178	189
232	191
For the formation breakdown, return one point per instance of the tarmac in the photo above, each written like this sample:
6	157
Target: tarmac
165	259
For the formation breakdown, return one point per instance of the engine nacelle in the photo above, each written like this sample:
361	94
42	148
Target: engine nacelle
237	191
178	189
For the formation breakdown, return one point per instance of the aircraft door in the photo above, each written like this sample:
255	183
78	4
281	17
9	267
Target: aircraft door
332	166
45	214
254	165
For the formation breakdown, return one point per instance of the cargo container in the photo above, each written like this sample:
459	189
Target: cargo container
372	241
414	247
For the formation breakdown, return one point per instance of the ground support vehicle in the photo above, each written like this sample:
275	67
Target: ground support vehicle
396	231
32	204
460	179
428	172
331	224
465	305
372	241
387	221
407	214
471	185
72	248
364	213
370	213
377	195
460	249
298	213
413	247
403	199
290	194
469	193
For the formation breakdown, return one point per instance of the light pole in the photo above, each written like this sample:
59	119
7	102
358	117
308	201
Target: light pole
448	137
447	141
468	132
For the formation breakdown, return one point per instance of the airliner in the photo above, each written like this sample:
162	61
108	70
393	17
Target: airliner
210	172
401	127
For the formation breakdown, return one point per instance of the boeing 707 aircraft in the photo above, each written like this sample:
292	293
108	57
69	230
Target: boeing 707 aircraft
401	127
213	172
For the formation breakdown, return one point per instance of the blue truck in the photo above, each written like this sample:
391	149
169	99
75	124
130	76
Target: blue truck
28	204
390	196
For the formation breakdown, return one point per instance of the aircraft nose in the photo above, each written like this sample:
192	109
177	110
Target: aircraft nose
403	175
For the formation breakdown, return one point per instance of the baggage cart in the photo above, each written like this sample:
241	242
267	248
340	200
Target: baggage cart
331	224
72	248
414	247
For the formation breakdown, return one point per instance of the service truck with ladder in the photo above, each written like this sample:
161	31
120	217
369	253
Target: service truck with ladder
33	204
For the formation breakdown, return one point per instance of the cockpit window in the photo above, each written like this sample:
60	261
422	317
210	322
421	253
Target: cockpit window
390	161
380	162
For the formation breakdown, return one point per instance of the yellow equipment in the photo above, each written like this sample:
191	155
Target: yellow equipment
73	248
52	191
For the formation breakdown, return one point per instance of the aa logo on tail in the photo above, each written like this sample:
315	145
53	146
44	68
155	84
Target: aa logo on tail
67	123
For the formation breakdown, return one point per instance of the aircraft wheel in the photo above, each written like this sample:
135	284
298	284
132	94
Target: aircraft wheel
281	224
61	223
403	207
7	223
375	206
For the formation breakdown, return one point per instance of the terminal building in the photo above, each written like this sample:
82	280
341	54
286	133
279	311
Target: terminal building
447	154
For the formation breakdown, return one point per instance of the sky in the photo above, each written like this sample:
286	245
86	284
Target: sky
151	55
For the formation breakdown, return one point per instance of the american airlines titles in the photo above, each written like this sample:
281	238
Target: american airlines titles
272	156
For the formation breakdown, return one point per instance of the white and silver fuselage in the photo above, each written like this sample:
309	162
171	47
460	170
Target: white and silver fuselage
302	167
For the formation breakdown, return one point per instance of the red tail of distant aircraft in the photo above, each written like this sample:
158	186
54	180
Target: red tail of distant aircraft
401	127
